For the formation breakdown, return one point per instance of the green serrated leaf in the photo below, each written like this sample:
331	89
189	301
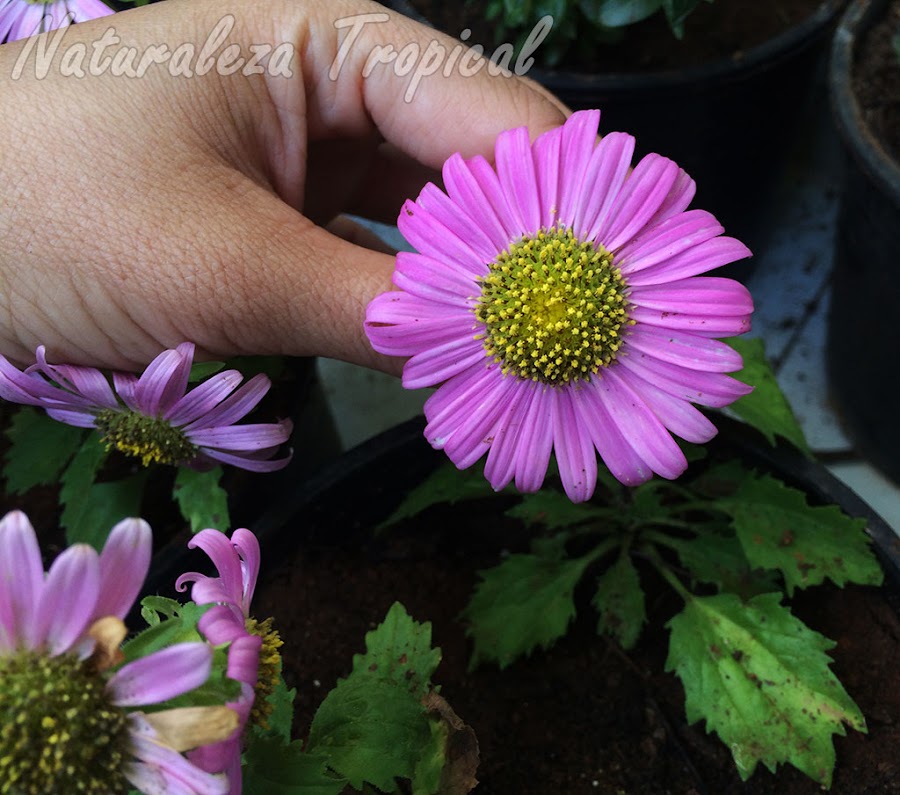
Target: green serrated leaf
718	559
39	449
78	477
272	767
202	501
765	408
554	510
619	601
426	779
779	530
371	730
281	718
399	649
174	623
105	505
525	602
445	484
761	680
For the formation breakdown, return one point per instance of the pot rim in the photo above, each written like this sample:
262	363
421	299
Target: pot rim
721	70
879	166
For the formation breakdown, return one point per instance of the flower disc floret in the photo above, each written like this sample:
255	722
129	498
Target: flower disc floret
553	308
151	439
59	729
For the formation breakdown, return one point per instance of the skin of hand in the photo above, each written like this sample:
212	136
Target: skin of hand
139	212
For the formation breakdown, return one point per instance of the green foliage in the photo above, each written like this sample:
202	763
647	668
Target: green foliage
761	680
525	602
202	501
717	558
168	622
554	510
619	601
276	768
374	728
39	449
779	530
91	509
445	484
765	408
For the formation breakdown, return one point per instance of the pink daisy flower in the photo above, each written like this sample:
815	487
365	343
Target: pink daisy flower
20	19
237	562
59	631
153	417
556	302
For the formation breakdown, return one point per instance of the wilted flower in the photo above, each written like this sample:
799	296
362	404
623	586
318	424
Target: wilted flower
556	302
59	635
253	658
22	18
153	417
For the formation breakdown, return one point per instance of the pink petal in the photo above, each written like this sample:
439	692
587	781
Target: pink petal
161	675
707	389
546	151
500	466
203	398
430	237
66	606
466	191
432	367
661	243
225	558
235	407
606	174
640	426
455	219
164	381
579	137
693	323
124	563
708	295
21	577
491	189
677	201
125	385
247	461
575	453
535	442
238	438
679	416
701	258
247	546
427	278
446	410
619	456
83	381
516	170
221	624
243	659
474	437
686	350
75	417
644	192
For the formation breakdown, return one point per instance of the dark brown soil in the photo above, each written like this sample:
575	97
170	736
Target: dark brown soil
583	717
876	80
718	30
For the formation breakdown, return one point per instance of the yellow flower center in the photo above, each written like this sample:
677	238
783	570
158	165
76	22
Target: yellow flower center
553	308
149	438
59	731
269	669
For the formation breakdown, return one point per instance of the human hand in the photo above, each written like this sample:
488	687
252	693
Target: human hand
139	212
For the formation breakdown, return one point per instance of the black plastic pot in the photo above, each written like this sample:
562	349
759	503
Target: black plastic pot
366	484
863	343
732	124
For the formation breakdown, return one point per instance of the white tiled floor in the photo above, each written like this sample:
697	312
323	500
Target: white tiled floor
790	285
